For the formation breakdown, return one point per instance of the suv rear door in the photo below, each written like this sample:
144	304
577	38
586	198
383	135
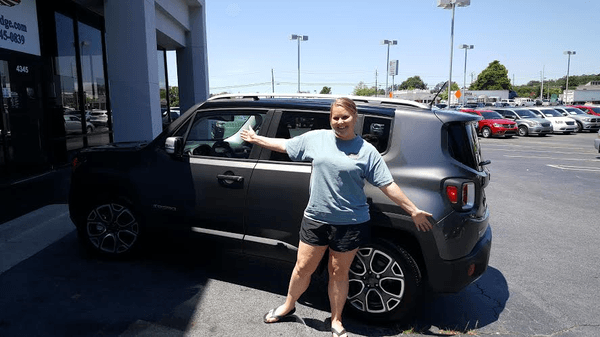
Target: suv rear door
279	190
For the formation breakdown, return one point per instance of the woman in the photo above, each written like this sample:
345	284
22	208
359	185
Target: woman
337	213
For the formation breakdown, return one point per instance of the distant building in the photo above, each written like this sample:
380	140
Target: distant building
417	95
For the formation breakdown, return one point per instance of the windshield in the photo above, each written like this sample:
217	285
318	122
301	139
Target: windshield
574	111
526	114
596	110
537	113
552	113
491	115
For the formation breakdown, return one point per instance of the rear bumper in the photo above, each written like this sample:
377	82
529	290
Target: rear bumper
451	276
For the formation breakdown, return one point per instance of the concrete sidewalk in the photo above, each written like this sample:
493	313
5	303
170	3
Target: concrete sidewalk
25	236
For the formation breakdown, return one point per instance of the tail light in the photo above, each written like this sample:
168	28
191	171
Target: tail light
461	194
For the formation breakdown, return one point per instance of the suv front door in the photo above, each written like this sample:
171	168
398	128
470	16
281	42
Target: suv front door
221	165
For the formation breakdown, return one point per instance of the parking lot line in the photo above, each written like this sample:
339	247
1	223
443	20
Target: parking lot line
553	158
575	168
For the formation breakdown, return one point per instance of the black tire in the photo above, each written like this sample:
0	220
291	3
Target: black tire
579	127
523	131
385	283
110	228
486	132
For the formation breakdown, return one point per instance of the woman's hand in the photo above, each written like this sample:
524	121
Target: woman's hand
249	135
420	219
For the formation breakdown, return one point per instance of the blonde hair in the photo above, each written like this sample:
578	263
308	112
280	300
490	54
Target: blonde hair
345	103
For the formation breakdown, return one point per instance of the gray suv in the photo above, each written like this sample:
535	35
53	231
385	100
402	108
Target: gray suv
201	178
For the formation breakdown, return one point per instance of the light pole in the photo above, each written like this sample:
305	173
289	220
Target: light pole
568	52
299	38
465	47
451	4
387	72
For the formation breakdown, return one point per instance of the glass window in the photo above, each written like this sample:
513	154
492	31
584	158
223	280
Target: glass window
219	135
376	130
294	124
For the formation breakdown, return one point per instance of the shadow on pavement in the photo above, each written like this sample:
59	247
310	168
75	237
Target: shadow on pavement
62	291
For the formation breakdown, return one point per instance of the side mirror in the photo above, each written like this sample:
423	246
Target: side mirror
173	145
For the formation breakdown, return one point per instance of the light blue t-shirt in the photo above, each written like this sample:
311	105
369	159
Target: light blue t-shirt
339	169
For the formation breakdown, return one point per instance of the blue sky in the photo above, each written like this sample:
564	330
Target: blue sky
249	38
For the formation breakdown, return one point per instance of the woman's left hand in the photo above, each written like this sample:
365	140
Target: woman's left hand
420	219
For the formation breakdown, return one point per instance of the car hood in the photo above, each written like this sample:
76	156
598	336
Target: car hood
564	119
501	121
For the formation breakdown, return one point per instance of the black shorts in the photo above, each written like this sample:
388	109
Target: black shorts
340	238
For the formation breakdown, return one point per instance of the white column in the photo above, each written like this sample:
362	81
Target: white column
192	62
133	69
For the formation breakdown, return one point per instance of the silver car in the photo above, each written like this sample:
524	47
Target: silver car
73	125
584	121
527	122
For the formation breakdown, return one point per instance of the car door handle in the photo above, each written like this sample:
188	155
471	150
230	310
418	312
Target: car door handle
237	179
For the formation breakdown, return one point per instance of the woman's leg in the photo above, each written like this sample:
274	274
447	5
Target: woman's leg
339	266
306	264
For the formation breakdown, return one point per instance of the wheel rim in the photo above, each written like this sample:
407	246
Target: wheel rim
486	133
112	228
376	282
522	131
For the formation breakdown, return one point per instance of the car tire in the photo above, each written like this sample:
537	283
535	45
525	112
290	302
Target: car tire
110	228
579	127
384	282
486	132
523	131
89	129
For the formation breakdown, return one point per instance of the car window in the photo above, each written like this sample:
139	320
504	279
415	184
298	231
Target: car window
219	135
376	130
490	115
293	124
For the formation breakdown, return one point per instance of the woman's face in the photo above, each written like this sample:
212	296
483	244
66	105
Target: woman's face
342	122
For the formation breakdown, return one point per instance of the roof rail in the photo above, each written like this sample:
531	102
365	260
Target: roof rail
356	99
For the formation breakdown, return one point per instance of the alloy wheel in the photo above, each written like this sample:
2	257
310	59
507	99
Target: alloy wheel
112	228
377	282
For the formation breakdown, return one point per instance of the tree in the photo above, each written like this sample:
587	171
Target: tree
444	94
326	90
362	90
414	82
494	77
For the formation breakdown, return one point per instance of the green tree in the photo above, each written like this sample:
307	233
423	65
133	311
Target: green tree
174	96
444	94
362	90
494	77
414	82
326	90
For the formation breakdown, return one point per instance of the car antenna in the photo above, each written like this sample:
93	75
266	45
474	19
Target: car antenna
436	95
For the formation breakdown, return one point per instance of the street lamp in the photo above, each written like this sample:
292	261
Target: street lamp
387	73
465	47
568	52
299	38
451	4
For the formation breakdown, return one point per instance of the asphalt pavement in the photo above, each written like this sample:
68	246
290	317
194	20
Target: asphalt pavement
542	279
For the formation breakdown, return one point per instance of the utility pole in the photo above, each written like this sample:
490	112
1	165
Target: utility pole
272	81
375	82
542	87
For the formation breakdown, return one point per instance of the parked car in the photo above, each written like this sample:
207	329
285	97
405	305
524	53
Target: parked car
597	142
200	181
560	123
73	125
592	110
174	114
99	117
528	123
584	121
493	124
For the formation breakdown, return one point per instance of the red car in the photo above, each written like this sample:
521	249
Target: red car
588	109
493	124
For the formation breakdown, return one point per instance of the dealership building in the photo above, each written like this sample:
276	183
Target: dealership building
81	73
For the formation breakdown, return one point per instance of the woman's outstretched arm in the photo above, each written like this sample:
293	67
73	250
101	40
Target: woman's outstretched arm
273	144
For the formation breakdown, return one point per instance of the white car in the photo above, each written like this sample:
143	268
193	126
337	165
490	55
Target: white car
560	123
99	117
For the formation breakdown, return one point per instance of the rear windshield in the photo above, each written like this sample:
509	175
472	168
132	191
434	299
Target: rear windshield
463	144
